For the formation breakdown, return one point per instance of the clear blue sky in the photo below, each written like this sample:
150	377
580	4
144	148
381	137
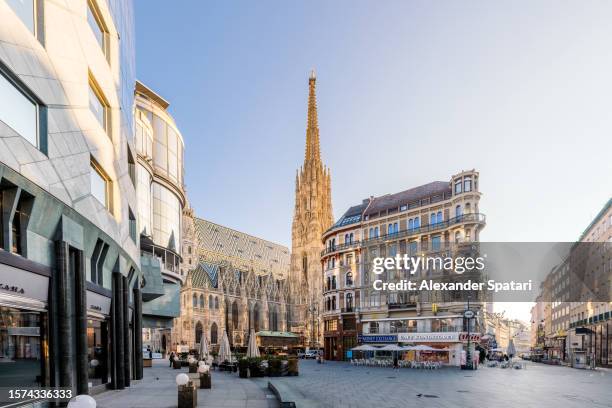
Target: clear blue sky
408	92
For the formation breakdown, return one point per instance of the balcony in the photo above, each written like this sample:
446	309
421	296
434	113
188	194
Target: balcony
340	247
399	306
476	218
347	310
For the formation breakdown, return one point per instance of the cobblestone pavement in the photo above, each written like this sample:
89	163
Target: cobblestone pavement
158	390
336	384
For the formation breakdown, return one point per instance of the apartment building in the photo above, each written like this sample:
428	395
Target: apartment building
440	216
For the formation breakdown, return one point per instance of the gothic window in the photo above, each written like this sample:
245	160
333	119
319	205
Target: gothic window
211	305
333	282
216	302
202	301
305	267
333	305
213	333
235	315
458	212
198	332
195	300
256	318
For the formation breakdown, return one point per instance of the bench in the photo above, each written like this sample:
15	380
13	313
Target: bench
289	397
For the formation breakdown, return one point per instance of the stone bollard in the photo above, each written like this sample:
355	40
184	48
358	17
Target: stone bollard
176	363
193	365
187	393
205	380
82	401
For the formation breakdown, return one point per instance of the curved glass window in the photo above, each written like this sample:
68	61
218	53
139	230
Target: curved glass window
143	193
166	218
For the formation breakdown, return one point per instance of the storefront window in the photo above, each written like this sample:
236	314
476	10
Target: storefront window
97	351
20	347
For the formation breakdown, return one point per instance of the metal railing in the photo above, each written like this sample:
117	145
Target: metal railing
475	217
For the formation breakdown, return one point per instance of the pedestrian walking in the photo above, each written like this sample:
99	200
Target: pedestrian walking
171	358
395	363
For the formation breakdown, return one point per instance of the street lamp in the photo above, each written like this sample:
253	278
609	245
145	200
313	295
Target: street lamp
313	311
469	315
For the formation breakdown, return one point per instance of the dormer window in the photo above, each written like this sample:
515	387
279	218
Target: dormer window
467	184
458	186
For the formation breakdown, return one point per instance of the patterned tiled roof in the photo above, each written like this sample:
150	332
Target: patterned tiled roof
218	244
206	272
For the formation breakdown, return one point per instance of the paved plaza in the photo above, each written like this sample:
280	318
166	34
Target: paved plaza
335	384
158	390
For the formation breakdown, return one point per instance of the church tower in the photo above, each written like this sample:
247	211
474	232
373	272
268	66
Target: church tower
312	216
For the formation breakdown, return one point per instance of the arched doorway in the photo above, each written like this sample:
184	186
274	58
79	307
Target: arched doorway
198	332
163	350
213	333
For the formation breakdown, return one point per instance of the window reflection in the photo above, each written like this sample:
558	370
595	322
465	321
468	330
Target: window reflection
25	11
18	111
166	218
96	106
95	25
20	347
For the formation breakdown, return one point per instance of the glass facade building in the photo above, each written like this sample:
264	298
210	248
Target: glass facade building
67	244
161	201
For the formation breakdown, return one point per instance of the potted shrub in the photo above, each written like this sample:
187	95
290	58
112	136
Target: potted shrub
243	368
255	368
274	367
293	366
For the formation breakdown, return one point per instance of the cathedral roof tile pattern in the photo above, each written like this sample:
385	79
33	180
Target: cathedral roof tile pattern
218	245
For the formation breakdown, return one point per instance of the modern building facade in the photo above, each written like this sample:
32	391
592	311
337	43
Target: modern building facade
590	328
312	216
432	218
237	283
573	314
161	201
69	258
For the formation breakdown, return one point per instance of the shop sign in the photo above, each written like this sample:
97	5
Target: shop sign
98	303
14	289
14	281
24	331
475	337
377	338
441	337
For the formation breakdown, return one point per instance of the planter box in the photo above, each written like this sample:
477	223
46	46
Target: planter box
147	362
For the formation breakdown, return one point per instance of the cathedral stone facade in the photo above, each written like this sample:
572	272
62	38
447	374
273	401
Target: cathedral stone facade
235	282
312	217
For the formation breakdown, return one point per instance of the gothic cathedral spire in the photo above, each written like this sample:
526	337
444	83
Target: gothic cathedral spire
312	216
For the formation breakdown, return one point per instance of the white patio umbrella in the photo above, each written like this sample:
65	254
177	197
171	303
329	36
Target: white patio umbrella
422	347
252	349
225	353
203	349
391	347
365	347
